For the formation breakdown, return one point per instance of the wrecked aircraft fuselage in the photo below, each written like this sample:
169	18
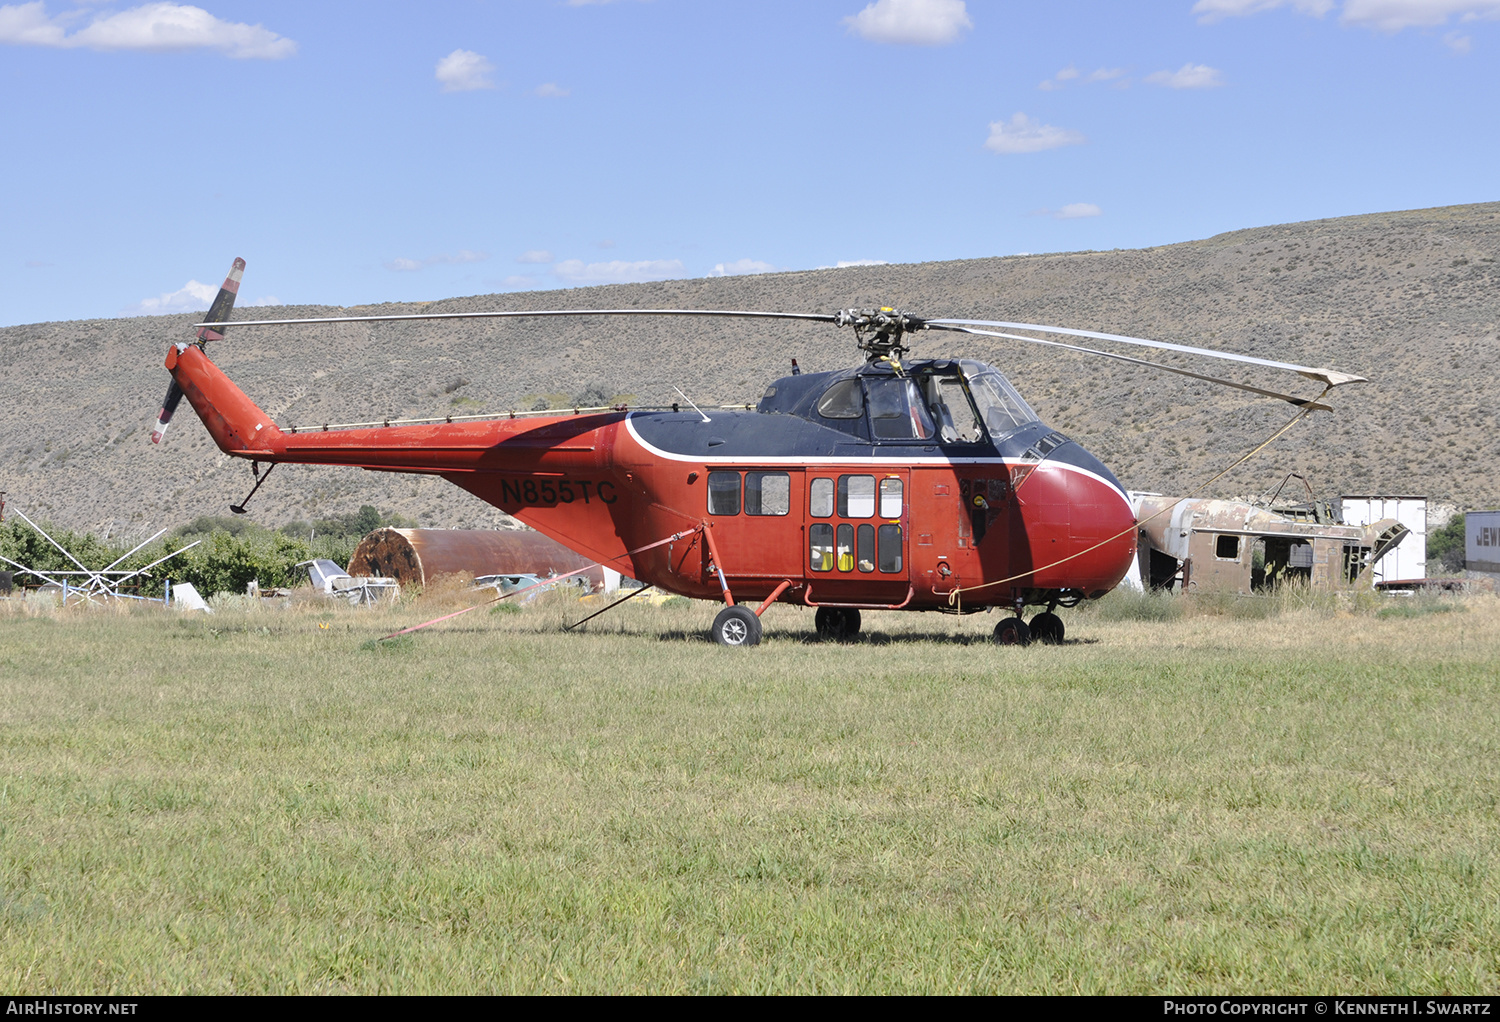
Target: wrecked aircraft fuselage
1204	546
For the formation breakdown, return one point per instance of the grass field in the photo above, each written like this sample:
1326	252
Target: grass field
1290	796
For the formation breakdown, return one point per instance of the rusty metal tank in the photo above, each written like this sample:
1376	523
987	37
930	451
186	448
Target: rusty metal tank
418	556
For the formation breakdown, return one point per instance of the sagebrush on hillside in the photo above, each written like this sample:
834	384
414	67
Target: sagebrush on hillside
1408	299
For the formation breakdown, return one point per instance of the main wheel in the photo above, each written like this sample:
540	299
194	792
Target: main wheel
1012	632
837	622
737	626
1047	627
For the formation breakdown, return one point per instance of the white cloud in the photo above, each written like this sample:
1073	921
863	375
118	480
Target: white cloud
1024	135
535	255
403	265
1382	15
915	22
191	297
1458	43
1213	10
844	264
1394	15
549	90
1069	73
465	71
617	271
742	267
158	28
1077	210
1189	76
463	255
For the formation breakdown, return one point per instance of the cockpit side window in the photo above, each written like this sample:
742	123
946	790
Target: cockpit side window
843	400
897	411
1000	407
955	420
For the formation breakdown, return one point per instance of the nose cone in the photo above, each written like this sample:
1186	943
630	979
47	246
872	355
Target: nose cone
1079	523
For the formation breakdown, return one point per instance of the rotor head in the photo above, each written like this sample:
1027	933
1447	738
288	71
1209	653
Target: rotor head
880	333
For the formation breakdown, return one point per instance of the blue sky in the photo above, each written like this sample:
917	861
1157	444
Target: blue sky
357	152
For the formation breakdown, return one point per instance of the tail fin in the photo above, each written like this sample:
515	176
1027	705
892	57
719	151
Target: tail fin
218	312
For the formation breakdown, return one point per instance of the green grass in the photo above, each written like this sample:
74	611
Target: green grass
270	802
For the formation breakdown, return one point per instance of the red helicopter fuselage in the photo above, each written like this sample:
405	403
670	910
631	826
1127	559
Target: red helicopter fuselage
925	486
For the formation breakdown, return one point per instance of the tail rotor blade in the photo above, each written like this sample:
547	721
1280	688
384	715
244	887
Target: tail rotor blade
223	304
168	406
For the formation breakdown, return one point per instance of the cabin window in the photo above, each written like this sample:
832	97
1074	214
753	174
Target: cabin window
820	547
856	496
723	493
843	400
867	548
890	548
890	497
846	548
820	498
1227	548
897	411
768	493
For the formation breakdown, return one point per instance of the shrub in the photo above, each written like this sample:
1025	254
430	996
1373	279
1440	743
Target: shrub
1446	545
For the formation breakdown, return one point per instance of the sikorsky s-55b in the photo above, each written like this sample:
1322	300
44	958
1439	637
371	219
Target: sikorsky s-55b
896	484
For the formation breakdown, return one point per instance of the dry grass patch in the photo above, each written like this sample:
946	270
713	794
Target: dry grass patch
256	802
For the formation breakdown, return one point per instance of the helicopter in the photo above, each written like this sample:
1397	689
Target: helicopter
895	484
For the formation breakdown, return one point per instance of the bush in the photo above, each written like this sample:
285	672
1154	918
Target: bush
1446	545
227	564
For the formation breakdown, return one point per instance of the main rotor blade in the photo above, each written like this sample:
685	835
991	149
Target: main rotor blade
1298	401
728	313
1331	377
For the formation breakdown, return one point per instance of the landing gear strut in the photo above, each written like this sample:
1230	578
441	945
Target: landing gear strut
838	623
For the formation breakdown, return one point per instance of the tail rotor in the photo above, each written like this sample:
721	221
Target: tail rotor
218	312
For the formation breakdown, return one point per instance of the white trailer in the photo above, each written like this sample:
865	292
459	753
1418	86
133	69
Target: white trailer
1408	560
1482	542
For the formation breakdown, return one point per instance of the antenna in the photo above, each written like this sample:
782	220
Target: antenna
690	401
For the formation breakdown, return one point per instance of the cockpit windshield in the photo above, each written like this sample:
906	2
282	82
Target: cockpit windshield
1001	408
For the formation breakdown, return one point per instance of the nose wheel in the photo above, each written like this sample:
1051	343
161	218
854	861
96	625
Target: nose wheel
1012	632
1047	627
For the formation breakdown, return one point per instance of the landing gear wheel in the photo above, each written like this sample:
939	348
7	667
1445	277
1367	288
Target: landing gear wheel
1047	628
737	626
837	622
1012	632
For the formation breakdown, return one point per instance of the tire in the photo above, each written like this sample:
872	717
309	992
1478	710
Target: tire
1012	632
1047	628
837	623
737	626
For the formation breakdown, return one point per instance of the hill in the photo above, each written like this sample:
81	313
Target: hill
1408	299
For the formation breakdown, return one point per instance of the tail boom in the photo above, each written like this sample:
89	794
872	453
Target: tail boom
516	446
